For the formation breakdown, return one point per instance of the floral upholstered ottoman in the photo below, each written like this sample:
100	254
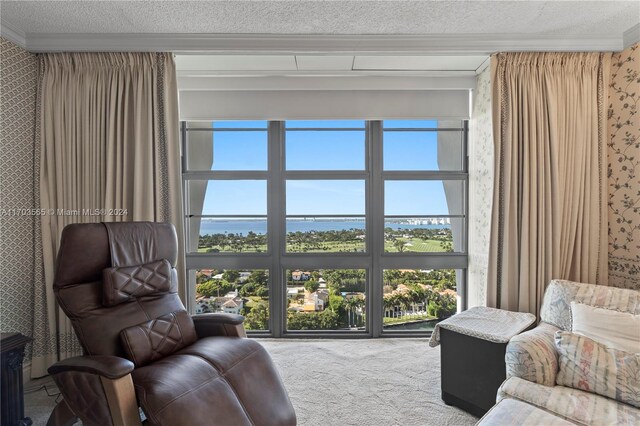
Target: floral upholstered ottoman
472	357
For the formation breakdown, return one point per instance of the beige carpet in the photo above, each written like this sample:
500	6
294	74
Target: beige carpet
342	382
369	382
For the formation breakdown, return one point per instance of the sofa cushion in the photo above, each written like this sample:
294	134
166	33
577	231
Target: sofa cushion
593	367
618	330
533	356
572	404
512	412
157	338
219	381
121	283
556	304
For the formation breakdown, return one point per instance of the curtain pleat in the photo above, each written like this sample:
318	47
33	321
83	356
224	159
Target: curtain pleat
549	212
108	125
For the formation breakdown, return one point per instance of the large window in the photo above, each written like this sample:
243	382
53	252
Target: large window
327	227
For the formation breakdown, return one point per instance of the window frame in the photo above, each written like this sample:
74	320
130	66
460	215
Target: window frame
374	260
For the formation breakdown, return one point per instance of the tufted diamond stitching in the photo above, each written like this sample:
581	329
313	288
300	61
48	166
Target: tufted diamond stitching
163	335
122	283
159	337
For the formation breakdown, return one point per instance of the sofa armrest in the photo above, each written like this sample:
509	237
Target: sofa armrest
111	367
219	325
98	389
532	355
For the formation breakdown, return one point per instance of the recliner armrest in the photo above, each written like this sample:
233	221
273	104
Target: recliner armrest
532	355
111	367
98	389
219	324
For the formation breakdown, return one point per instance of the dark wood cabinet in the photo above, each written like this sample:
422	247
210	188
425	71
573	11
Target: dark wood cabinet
472	371
12	348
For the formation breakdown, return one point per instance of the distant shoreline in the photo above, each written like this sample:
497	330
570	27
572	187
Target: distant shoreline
244	226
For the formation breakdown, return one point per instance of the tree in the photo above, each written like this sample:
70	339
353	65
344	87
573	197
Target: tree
249	289
350	280
387	302
399	245
325	320
253	240
259	277
337	306
448	305
224	241
311	286
394	301
405	302
447	246
335	302
237	244
417	295
258	317
231	275
214	288
262	291
391	277
434	309
360	307
353	305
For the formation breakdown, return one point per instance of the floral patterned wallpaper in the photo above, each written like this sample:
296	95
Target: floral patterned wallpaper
480	189
624	166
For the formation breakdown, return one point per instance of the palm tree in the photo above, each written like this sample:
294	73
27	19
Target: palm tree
351	303
405	302
399	245
360	303
394	300
387	302
417	295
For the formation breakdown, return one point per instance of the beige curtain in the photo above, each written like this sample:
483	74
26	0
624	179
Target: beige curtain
549	216
109	141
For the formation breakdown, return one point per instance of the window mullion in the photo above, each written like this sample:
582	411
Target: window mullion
326	175
463	292
226	175
275	228
376	225
424	175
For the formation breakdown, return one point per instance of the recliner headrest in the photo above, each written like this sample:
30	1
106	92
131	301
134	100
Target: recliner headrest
121	283
86	250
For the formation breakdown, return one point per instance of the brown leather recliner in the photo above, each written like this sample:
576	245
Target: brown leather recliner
117	283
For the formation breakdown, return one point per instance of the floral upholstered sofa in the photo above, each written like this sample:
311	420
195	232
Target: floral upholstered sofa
532	360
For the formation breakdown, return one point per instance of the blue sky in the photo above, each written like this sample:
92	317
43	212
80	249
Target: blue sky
324	150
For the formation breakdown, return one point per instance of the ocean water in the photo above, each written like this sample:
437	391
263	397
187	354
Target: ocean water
260	226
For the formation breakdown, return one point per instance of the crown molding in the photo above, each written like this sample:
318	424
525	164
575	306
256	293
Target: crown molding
631	36
322	44
7	31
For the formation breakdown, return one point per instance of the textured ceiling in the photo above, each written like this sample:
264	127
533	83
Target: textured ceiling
322	17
